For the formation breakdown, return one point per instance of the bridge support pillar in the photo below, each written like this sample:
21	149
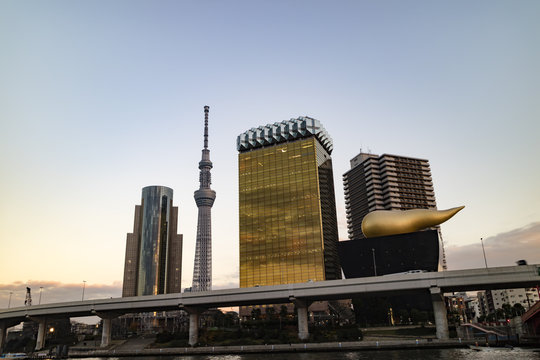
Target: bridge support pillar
106	328
193	328
40	340
439	312
3	334
194	313
106	332
302	310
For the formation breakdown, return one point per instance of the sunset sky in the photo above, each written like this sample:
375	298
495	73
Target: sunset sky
101	98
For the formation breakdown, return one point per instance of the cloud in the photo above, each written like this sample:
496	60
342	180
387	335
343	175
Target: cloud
503	249
225	281
55	291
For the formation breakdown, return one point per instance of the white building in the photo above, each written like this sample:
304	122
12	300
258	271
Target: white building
491	300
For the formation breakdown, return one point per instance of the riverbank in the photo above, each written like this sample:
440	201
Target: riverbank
400	344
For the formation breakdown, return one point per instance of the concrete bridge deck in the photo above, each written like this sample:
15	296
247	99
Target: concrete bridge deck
302	294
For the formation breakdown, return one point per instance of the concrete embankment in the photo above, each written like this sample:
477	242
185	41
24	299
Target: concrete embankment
308	347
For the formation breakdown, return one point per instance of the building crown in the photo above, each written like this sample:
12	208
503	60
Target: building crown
286	130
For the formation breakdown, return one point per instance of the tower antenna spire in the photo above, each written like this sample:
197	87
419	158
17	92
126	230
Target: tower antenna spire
206	111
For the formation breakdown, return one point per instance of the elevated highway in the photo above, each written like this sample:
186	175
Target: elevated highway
302	294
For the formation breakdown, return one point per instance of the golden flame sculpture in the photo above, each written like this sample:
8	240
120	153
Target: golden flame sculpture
393	222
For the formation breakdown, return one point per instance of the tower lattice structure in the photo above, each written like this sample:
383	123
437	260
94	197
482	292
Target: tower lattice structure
204	197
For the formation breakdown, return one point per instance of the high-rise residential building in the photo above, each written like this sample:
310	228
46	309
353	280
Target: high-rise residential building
288	226
386	182
153	262
204	197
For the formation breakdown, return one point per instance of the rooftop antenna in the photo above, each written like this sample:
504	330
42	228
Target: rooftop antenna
206	110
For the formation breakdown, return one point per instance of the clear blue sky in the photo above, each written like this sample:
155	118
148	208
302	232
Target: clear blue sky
101	98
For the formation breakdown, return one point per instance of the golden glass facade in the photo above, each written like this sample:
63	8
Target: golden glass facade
281	218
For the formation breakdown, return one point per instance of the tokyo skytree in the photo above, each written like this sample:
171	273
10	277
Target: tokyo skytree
204	197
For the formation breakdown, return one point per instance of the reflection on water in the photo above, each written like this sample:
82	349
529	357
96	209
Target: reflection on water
444	354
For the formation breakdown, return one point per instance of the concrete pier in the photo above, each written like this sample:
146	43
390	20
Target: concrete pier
40	340
3	334
106	329
303	331
194	313
302	310
439	312
106	332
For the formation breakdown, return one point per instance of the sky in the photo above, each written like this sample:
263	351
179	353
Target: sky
101	98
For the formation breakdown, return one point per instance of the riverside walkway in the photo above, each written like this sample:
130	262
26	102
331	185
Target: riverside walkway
281	348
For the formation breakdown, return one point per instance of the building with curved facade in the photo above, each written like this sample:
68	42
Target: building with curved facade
153	262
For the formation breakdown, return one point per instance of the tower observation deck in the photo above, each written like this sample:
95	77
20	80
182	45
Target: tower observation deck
204	197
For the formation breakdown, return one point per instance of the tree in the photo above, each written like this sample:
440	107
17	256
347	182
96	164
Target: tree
419	317
256	314
282	314
507	310
403	316
499	314
270	313
518	309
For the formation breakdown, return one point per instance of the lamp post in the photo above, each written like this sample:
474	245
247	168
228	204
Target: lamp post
51	333
83	286
484	251
40	291
9	301
374	263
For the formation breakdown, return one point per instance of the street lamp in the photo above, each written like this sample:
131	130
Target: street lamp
9	301
484	251
84	285
374	263
40	291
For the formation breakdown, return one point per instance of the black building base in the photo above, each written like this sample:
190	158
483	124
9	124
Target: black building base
393	254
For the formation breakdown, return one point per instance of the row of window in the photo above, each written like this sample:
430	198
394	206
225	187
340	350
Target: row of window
277	162
280	221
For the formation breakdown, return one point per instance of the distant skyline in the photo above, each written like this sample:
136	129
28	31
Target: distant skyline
100	99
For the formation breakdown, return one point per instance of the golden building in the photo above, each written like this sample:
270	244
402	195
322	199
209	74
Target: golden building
288	226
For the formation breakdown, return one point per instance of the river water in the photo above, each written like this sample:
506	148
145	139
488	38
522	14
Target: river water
421	354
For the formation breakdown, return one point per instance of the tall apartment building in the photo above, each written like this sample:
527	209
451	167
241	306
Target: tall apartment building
153	263
288	225
386	182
